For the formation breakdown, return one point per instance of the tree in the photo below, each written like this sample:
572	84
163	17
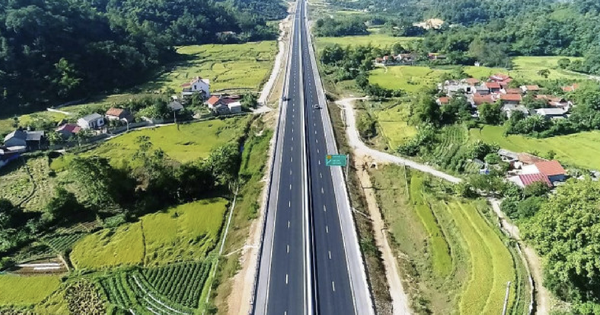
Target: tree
491	114
250	100
93	177
224	162
64	207
544	73
425	110
566	231
564	63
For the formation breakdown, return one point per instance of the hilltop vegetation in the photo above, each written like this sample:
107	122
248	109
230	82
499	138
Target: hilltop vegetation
61	50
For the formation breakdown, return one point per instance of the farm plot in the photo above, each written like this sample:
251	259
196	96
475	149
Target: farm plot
379	40
64	242
21	291
188	143
184	233
481	264
180	283
394	125
580	149
28	184
440	251
451	151
228	67
110	248
133	291
407	78
491	263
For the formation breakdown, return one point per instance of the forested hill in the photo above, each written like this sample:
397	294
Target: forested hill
55	50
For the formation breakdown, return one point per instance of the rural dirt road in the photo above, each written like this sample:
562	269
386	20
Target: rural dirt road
363	152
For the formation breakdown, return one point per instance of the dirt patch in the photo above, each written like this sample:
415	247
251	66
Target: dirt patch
400	303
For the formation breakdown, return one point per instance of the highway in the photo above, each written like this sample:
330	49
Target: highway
310	260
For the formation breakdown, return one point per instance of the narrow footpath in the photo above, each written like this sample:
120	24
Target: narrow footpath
399	299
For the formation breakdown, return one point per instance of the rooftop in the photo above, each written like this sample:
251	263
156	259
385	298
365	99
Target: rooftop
550	168
511	97
528	179
92	117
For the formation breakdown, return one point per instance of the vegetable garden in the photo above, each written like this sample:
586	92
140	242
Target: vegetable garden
174	289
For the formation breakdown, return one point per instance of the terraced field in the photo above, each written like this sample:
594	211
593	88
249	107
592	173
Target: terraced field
27	183
456	258
440	251
491	263
184	233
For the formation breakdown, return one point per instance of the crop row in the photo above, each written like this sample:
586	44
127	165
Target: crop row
62	243
182	283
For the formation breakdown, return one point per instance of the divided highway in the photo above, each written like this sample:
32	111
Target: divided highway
310	261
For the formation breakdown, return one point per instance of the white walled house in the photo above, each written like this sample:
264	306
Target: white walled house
197	85
92	121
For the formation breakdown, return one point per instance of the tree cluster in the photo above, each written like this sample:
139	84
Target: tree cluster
354	62
564	230
340	27
53	50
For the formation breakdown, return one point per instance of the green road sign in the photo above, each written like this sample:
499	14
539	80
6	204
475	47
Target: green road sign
336	160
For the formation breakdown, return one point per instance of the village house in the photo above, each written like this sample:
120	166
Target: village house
477	99
551	169
443	100
530	88
472	81
7	155
24	140
511	91
555	101
570	88
68	130
551	113
235	107
524	180
494	87
92	121
547	172
510	99
213	102
436	56
119	114
509	109
175	106
197	86
405	59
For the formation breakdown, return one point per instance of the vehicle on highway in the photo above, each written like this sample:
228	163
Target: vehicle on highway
316	106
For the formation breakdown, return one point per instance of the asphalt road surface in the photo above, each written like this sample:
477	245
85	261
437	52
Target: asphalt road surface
304	266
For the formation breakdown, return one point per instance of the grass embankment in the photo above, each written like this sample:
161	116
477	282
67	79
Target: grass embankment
478	263
21	291
580	149
184	233
252	171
